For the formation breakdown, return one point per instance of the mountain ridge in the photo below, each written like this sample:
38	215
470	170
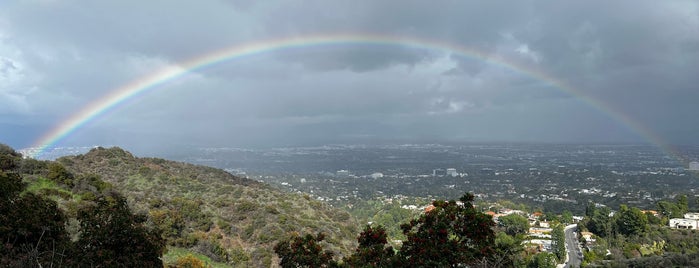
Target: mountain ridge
231	220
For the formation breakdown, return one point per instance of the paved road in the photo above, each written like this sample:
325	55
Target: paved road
574	253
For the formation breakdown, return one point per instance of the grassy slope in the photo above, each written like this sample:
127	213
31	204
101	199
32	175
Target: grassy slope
210	211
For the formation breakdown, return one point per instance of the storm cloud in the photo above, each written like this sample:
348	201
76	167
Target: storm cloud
621	60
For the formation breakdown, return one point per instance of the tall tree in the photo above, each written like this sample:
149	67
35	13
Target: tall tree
682	204
669	209
567	217
543	260
599	222
31	227
631	221
514	224
112	236
452	234
303	251
372	250
558	239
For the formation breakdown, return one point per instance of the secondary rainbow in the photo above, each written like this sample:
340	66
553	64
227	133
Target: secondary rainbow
151	82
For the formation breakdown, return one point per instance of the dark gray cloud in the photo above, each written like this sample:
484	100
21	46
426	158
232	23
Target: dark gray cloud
637	58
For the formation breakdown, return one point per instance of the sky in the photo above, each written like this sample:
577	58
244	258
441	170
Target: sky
630	70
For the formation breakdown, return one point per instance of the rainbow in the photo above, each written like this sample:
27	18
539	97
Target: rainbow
151	82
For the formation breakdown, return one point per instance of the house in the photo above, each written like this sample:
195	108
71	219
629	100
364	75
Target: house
536	230
652	212
541	245
587	236
678	223
690	221
536	215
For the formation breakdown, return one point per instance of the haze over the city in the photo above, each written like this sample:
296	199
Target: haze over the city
349	72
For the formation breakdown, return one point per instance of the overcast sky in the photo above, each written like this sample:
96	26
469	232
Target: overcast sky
640	59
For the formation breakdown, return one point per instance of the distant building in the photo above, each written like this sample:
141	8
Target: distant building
690	221
487	171
684	223
452	172
652	212
539	230
586	235
694	166
376	175
541	245
342	173
439	172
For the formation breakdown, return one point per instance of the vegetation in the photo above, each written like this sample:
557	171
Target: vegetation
51	226
558	242
372	250
637	239
108	208
303	251
514	224
451	234
107	198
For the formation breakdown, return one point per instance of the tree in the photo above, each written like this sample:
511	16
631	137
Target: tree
682	204
652	219
514	224
669	209
9	158
508	251
558	238
631	221
372	250
58	173
598	221
543	260
452	234
112	236
32	228
303	251
567	217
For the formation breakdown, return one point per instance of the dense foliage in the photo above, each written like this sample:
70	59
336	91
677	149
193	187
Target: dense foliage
514	224
450	234
228	219
109	208
372	250
631	238
303	251
45	224
31	227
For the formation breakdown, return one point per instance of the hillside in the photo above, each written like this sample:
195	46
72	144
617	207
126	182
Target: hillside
209	213
229	219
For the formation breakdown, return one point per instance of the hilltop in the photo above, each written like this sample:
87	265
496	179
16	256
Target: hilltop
207	212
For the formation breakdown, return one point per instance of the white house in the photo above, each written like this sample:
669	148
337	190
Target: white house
684	223
694	166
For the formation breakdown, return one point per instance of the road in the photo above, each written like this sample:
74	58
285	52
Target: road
572	246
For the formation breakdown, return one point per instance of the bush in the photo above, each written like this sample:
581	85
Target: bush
189	261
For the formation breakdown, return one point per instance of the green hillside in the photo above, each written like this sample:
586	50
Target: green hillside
222	219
